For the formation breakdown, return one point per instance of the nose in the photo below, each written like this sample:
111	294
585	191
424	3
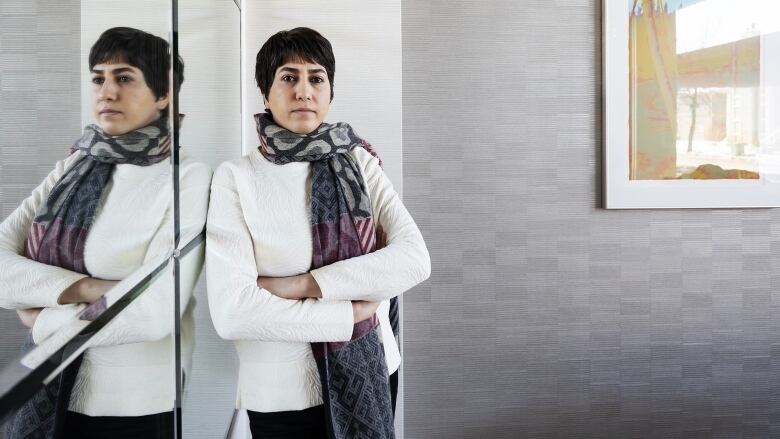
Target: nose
108	91
303	91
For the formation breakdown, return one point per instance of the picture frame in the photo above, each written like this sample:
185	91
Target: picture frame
660	66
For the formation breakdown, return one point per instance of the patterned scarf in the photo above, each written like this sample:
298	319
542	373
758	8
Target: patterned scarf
61	225
354	377
57	237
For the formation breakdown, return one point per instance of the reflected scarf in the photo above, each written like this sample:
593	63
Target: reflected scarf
61	225
354	377
57	237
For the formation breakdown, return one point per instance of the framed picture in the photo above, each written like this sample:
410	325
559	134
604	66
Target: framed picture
691	103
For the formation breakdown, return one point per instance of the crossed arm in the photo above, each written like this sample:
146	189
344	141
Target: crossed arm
46	297
85	290
305	286
319	305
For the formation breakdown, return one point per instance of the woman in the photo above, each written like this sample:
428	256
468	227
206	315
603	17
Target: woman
102	213
296	275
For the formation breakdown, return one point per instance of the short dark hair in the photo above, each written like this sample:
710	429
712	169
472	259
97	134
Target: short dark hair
147	52
299	44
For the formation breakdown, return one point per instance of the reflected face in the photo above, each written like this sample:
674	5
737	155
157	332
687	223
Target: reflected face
121	99
299	97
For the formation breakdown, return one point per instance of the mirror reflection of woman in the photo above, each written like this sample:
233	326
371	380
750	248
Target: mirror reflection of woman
307	245
101	214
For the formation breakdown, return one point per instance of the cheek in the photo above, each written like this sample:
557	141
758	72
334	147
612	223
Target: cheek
325	96
147	105
95	101
278	95
325	103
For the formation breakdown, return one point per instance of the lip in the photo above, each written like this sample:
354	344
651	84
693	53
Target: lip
303	110
109	112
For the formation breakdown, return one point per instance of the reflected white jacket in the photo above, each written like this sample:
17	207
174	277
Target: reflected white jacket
260	225
129	369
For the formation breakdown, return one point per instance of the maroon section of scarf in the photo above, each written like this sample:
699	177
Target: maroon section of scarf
367	146
336	241
57	244
62	246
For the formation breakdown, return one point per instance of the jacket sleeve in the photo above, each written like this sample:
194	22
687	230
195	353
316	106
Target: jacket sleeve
404	261
150	316
25	283
239	308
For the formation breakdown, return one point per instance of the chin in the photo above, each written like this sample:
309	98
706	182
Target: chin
112	130
311	126
303	129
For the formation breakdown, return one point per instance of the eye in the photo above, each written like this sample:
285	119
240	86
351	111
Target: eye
288	78
317	80
124	78
97	80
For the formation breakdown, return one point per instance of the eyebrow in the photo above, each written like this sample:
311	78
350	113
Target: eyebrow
114	71
294	70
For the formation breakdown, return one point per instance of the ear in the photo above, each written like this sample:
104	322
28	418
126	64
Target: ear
265	101
162	103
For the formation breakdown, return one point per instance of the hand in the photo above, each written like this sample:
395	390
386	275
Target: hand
302	286
86	290
28	316
362	310
381	237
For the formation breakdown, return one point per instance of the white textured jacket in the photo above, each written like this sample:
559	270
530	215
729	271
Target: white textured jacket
260	225
129	369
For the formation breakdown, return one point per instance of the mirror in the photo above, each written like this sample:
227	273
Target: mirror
99	219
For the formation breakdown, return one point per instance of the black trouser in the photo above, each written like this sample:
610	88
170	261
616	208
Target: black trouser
296	424
308	423
157	426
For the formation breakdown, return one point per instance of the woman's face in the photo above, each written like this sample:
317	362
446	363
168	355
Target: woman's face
121	100
299	97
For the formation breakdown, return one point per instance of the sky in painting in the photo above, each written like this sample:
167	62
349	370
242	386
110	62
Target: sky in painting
713	22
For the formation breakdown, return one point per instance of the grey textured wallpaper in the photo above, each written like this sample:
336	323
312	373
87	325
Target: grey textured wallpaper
39	109
545	316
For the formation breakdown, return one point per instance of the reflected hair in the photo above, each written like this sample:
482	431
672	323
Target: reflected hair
301	44
148	53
